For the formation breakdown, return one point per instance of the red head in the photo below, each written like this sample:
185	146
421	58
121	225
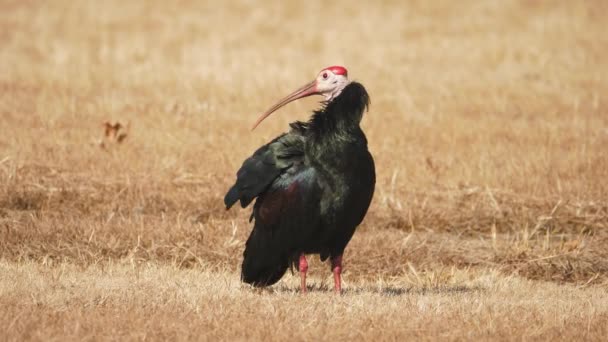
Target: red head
338	70
329	82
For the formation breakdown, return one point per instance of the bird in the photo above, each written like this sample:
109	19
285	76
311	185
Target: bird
312	185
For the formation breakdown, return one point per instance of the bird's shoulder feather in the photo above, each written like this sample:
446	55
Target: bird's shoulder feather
266	164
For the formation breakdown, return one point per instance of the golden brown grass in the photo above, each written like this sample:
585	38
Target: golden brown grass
163	302
489	126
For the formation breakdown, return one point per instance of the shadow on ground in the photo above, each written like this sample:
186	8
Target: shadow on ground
385	290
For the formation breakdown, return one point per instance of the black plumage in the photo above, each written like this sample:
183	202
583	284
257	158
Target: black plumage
313	186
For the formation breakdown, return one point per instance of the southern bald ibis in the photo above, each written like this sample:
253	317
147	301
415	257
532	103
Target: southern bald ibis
312	185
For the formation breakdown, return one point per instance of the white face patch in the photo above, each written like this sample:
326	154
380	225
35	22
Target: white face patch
330	85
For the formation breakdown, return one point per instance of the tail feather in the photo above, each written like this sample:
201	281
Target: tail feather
264	263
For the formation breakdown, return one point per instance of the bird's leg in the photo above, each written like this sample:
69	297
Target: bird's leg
303	267
336	267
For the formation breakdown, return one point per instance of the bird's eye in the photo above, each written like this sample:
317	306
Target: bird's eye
324	75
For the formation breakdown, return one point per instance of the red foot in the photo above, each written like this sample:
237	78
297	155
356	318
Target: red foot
303	266
336	267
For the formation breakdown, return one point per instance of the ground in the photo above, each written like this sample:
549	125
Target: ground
488	124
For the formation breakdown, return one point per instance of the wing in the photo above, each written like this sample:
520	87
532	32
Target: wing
286	211
269	162
286	222
293	195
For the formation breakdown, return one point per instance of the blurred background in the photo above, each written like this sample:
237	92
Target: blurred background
123	124
486	116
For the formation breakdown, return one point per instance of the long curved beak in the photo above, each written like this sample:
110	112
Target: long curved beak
307	90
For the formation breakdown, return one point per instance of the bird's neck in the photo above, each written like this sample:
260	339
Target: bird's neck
339	119
335	128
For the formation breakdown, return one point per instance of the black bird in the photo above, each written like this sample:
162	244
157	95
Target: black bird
313	184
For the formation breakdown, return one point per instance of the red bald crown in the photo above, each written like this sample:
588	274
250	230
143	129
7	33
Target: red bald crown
338	70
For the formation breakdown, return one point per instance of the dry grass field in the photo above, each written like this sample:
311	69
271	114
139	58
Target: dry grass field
488	124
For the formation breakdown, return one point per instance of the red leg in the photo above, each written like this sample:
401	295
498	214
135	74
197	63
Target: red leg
336	267
303	269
